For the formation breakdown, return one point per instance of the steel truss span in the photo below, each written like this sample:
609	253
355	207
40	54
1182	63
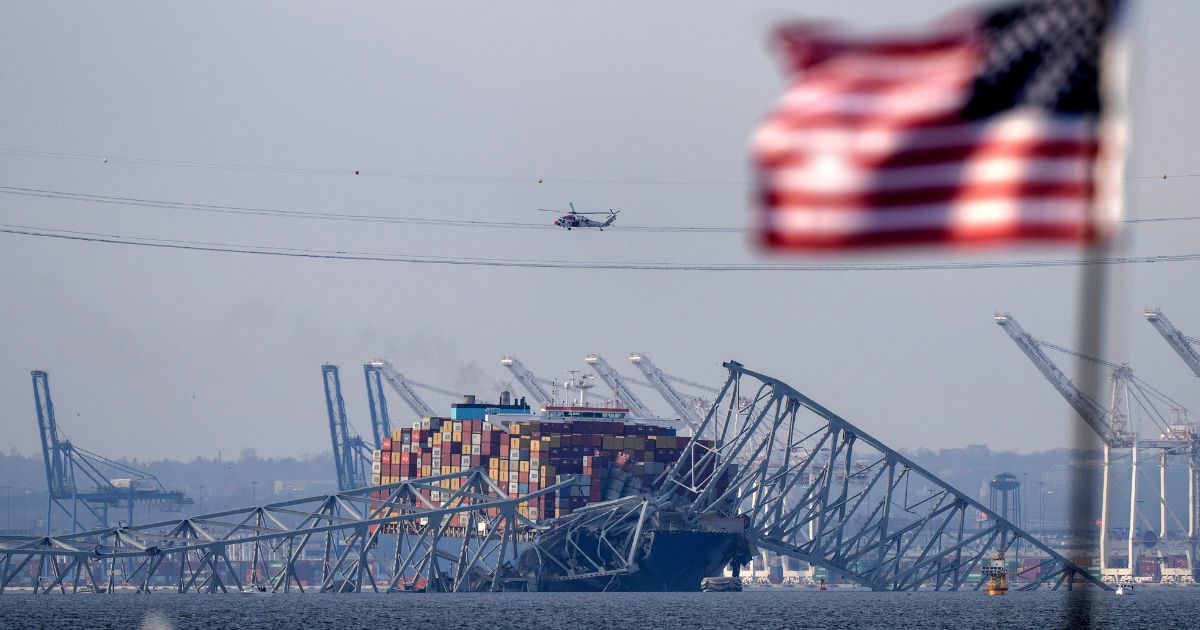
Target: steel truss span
429	549
777	472
820	489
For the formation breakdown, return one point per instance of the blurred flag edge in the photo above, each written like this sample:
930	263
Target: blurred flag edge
995	126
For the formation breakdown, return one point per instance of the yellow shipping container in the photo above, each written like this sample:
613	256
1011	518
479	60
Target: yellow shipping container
535	446
456	437
524	466
397	434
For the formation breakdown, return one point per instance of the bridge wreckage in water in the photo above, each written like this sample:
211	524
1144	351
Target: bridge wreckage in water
782	474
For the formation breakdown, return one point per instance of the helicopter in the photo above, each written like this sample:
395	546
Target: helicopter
575	219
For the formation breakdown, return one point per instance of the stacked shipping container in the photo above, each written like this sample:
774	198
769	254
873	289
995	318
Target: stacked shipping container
607	459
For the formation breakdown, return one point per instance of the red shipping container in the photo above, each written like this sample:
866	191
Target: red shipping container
385	457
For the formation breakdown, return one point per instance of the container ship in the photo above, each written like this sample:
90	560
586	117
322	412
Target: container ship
608	455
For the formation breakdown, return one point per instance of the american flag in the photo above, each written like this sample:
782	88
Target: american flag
992	126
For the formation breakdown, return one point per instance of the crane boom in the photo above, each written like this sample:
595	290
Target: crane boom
381	424
83	479
532	384
616	383
1182	344
345	455
57	479
660	382
405	388
1095	415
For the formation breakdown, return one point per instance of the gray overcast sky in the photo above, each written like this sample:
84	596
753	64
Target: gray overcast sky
157	353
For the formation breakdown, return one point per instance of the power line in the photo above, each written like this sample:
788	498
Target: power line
373	218
264	250
328	216
359	172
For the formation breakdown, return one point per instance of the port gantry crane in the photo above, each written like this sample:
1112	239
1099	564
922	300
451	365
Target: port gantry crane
1112	431
1183	345
617	383
407	388
381	424
691	411
69	466
1130	399
534	385
351	455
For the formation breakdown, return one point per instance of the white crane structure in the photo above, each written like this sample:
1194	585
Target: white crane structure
536	385
1117	426
407	388
532	384
1112	432
1183	345
617	383
690	409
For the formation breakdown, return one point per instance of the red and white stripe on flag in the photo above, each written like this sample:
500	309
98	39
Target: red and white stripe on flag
869	146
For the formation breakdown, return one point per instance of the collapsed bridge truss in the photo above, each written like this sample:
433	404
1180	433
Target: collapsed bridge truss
810	485
798	479
432	549
822	490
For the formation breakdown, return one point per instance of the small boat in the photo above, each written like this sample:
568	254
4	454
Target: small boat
1124	589
721	584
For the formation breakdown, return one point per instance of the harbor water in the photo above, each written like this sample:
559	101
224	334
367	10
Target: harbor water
768	608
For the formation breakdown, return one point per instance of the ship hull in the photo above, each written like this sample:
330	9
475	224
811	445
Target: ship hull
675	560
